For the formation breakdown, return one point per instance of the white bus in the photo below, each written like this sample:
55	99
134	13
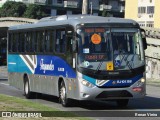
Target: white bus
73	57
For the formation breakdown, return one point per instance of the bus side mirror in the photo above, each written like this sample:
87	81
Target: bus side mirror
74	46
144	43
143	33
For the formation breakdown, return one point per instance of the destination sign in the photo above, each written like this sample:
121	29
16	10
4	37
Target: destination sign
94	57
90	30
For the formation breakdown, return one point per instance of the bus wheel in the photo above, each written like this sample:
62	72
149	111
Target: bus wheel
122	102
27	91
63	95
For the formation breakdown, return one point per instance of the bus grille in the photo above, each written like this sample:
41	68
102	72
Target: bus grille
108	94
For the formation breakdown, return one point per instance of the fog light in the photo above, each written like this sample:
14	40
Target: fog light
85	95
137	89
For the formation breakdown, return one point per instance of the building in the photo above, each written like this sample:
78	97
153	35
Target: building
145	12
97	7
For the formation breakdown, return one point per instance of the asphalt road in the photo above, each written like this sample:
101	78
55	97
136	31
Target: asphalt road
150	103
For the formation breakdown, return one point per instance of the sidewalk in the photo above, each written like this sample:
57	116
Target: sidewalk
3	72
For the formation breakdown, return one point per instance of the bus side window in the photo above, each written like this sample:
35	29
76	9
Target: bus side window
51	40
18	42
14	43
36	41
22	42
25	42
10	43
60	41
28	41
39	40
32	42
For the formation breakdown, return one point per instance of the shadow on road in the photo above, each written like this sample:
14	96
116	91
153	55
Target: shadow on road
46	97
145	103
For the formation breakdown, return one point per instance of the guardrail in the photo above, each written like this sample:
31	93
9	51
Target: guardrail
152	32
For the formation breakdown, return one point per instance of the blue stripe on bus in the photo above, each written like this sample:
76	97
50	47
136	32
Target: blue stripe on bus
16	64
123	82
46	65
116	83
89	79
56	67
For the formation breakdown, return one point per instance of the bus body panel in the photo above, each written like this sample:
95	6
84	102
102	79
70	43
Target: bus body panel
43	73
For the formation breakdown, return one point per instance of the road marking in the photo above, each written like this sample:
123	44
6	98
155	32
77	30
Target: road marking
5	84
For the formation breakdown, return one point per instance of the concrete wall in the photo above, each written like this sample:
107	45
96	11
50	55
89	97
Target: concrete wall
152	68
153	59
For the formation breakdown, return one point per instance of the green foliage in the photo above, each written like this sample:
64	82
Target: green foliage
12	9
105	13
19	9
35	12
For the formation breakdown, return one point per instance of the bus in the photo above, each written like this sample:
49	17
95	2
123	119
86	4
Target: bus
73	57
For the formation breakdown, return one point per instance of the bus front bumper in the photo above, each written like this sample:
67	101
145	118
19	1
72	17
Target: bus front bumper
96	93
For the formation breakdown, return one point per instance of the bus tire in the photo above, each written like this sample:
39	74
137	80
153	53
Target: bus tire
28	94
63	95
122	102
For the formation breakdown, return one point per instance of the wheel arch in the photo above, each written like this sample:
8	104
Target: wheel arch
25	75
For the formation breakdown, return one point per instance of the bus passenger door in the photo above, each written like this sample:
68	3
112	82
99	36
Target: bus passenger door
69	54
71	60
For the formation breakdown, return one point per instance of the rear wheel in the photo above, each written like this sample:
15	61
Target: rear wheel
63	95
27	91
122	102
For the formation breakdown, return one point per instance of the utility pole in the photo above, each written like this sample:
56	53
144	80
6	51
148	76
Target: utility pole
85	7
91	8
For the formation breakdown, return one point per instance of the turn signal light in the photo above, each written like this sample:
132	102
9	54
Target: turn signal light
137	89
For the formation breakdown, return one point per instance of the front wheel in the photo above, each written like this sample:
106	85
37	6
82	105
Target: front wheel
63	95
122	102
27	91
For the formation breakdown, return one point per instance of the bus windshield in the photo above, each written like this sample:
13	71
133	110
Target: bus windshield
94	47
128	50
98	46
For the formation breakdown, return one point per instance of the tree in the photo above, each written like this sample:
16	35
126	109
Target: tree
105	13
12	9
35	11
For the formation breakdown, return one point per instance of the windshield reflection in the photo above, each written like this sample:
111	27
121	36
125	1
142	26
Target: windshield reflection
94	47
100	46
127	47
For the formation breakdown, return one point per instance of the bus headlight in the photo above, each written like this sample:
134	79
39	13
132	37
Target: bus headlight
86	83
142	80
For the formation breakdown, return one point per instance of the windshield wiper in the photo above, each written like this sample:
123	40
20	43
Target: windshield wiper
99	66
126	61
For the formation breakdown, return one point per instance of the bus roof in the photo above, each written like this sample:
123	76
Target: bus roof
72	20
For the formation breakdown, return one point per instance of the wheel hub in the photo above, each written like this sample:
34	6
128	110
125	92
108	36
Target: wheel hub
26	88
